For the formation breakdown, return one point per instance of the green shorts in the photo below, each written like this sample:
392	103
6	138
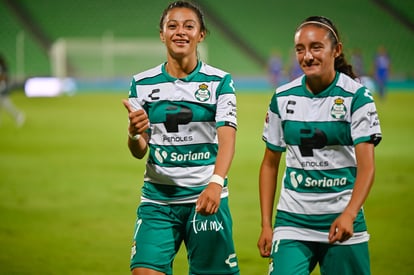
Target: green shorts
291	257
160	230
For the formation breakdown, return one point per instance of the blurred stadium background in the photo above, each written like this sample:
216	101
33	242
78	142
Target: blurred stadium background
101	44
68	186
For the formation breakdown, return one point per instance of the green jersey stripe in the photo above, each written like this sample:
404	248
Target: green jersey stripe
184	155
195	112
334	132
316	222
320	181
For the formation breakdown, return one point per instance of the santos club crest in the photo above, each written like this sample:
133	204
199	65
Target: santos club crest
202	94
338	110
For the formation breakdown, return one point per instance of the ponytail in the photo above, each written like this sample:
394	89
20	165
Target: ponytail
341	65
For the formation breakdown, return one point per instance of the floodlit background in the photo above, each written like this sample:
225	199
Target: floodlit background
68	185
95	40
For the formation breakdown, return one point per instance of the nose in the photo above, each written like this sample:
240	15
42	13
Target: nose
308	56
180	30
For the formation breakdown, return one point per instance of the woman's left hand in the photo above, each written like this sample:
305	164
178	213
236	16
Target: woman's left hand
208	202
342	228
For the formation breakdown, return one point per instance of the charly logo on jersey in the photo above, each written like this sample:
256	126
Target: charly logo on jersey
338	110
297	179
162	155
231	260
202	94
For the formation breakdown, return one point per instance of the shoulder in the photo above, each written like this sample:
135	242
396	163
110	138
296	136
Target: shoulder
150	73
212	71
292	85
348	84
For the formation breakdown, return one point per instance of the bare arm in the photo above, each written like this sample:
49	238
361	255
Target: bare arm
342	228
209	200
267	190
226	148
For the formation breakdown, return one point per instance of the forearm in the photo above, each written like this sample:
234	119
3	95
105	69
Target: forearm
267	190
138	148
364	179
360	193
226	150
267	186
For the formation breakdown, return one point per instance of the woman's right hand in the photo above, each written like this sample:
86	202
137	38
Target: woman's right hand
138	120
265	241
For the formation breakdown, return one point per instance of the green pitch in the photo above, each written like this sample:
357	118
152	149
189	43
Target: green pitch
69	187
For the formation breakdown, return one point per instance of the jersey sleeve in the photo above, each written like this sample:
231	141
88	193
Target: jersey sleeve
273	131
133	96
226	113
365	124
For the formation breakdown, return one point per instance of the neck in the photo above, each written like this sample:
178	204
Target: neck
319	84
181	68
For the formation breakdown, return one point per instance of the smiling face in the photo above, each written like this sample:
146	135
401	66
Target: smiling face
316	54
181	32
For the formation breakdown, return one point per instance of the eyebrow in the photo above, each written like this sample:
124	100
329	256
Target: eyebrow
185	21
311	44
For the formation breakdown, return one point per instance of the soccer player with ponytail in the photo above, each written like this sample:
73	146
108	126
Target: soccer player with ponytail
327	125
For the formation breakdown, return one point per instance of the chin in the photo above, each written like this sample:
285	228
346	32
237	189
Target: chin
309	72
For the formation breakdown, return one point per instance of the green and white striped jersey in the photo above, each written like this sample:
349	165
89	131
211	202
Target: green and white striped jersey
318	134
183	114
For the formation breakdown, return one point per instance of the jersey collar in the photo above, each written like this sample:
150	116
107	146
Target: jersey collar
188	78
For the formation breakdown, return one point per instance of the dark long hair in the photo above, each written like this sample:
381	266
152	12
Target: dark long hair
340	63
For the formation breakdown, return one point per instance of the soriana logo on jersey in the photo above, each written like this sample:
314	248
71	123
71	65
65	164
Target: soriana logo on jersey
297	179
162	156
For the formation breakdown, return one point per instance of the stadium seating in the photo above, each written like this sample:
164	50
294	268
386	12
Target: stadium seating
264	26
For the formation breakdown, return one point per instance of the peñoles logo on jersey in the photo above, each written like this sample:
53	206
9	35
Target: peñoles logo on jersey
202	94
